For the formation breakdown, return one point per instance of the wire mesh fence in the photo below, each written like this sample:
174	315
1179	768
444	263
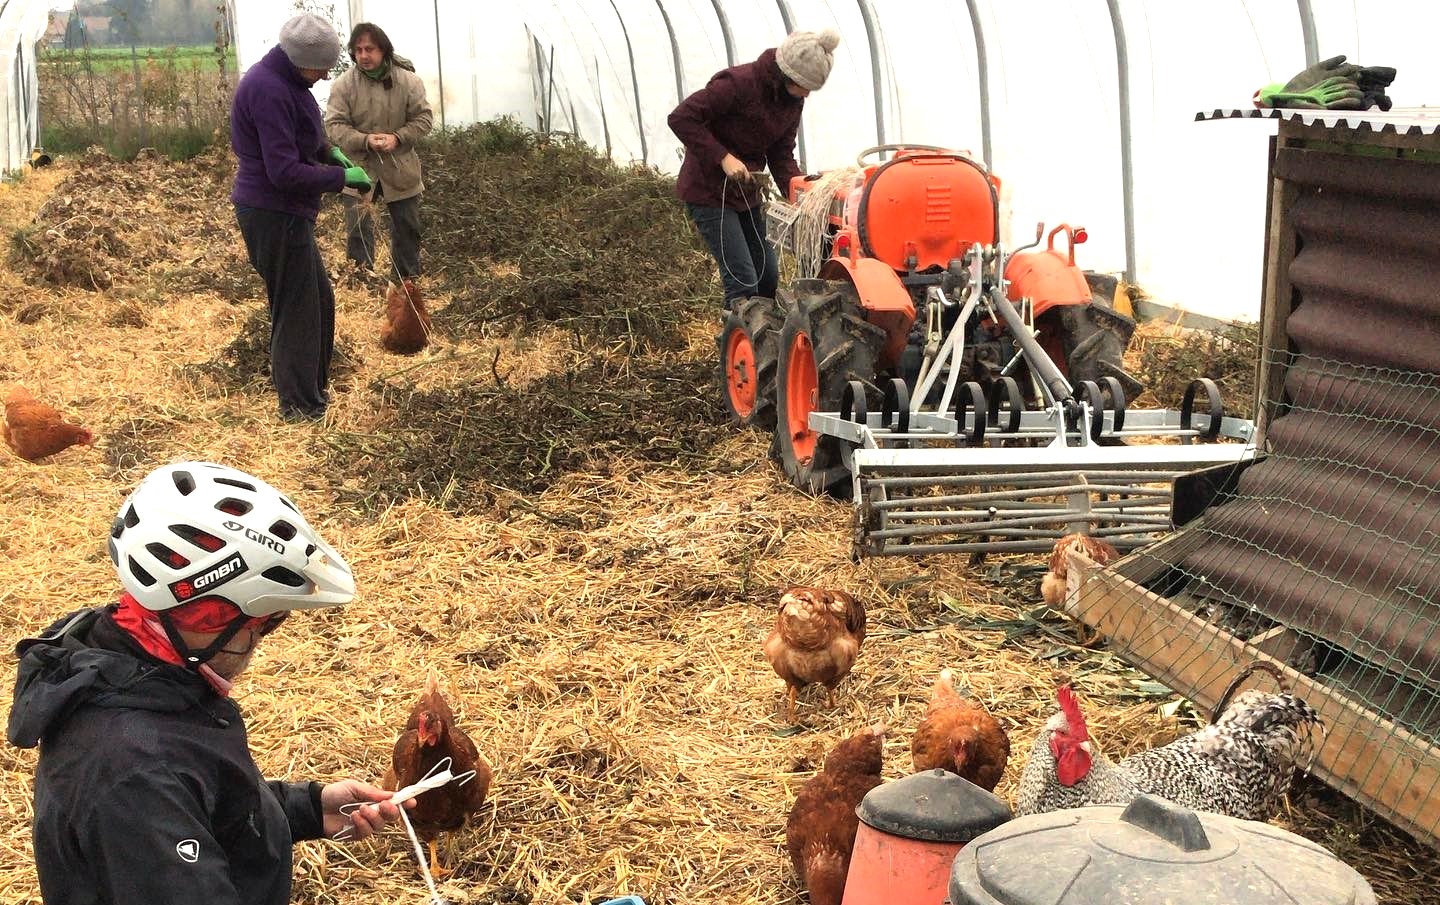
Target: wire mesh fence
1324	555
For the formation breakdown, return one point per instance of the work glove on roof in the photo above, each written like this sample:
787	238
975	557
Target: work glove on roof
1331	84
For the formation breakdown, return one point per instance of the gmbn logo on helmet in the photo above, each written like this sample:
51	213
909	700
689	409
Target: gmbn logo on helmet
258	537
211	578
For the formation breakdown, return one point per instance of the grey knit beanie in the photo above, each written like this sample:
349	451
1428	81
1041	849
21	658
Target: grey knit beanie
806	57
310	42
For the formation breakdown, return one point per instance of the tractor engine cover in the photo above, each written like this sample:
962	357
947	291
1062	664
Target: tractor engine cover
920	211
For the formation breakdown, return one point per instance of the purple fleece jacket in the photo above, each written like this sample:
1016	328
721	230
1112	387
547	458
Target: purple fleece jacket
278	135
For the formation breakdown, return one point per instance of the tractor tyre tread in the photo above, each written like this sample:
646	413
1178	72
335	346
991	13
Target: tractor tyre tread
846	347
761	319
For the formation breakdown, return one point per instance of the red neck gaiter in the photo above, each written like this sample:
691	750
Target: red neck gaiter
206	614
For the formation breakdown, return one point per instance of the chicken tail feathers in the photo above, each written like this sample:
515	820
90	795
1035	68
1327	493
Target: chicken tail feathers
18	395
825	871
1240	677
946	682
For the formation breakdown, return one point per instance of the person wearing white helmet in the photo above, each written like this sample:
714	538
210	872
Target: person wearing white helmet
145	789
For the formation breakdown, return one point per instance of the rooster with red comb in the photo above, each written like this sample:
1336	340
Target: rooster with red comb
1240	766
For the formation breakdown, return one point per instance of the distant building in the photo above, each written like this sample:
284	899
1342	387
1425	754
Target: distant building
97	29
72	31
54	36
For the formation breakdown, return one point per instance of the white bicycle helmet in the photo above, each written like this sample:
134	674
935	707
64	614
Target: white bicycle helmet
197	529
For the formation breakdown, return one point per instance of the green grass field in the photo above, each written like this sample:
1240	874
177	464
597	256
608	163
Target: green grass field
106	58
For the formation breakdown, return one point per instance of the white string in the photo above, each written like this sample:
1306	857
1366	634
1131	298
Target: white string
750	212
438	775
420	857
806	234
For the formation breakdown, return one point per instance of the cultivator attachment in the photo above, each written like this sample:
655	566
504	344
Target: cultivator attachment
974	471
1003	421
918	501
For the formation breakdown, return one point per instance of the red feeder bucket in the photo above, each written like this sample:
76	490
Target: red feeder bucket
910	832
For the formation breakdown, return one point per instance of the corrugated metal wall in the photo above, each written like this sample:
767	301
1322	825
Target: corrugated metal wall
1337	532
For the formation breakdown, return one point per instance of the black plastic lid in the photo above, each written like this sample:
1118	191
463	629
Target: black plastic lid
934	806
1152	852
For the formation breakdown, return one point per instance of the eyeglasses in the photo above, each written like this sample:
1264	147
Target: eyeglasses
260	626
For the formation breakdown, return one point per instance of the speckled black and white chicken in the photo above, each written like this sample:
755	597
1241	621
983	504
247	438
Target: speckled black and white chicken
1240	765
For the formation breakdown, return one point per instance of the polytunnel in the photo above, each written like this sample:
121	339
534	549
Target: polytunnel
1085	109
21	25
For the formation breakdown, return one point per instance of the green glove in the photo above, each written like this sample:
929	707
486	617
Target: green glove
1333	93
338	156
357	178
1331	84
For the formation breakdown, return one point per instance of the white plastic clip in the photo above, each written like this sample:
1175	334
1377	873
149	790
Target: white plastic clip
437	776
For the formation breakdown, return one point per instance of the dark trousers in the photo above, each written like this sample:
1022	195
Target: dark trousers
737	240
302	307
404	233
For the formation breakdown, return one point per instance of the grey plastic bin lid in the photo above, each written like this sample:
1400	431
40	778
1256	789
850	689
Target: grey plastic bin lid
935	806
1151	852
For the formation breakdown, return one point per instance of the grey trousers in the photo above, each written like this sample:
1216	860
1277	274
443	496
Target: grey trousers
404	233
302	307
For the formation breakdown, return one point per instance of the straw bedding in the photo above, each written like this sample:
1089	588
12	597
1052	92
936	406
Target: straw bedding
556	521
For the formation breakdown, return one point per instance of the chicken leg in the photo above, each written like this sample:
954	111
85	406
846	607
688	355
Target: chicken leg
436	871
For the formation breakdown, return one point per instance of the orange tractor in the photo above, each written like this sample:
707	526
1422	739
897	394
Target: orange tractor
910	305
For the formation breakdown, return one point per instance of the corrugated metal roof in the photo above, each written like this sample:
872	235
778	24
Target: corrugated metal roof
1400	120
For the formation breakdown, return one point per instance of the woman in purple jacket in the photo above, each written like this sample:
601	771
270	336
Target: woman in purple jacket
286	164
744	120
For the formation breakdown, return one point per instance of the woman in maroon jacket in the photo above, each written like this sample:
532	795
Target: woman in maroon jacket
744	120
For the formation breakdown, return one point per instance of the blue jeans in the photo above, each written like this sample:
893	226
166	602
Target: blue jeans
737	240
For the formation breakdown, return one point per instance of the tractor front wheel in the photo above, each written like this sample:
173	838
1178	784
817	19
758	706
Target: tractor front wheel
747	361
826	342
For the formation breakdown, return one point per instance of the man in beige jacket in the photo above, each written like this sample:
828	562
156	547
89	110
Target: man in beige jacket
376	114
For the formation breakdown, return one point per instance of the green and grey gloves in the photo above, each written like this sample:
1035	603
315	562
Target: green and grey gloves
357	178
1331	84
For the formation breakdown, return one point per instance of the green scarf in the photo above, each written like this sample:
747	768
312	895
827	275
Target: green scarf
379	73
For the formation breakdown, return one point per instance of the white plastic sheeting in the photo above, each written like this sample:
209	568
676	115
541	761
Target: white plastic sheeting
21	26
612	70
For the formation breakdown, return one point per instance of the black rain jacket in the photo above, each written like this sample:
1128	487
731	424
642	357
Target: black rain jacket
145	790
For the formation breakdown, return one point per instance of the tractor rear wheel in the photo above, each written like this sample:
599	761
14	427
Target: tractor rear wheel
826	342
1093	339
748	341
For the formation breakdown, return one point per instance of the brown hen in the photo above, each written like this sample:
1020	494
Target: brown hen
820	833
34	430
1052	586
958	735
430	736
407	324
817	635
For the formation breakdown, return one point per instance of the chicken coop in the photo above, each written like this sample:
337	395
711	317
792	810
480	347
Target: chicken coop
1321	555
